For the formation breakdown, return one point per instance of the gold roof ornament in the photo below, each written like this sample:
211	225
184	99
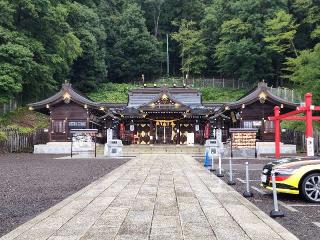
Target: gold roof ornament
262	97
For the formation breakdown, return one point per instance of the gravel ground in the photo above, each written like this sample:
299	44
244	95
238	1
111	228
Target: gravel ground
30	184
298	219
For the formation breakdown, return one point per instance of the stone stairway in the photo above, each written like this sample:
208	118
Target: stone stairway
168	149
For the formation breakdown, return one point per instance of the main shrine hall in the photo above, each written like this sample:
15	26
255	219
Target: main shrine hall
160	115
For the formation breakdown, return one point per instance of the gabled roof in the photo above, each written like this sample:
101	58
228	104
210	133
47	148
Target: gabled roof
109	114
66	94
164	101
142	96
261	92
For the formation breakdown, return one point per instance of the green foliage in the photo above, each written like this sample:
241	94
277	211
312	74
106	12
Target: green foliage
3	136
118	93
91	42
298	125
24	120
112	92
280	32
305	72
133	51
212	94
192	48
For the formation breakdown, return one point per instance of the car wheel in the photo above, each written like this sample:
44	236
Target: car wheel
311	187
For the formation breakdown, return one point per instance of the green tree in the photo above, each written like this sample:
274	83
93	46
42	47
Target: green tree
305	71
37	47
192	48
238	55
280	33
133	50
89	69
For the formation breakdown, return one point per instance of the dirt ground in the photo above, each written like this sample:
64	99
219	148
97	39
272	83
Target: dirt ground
30	184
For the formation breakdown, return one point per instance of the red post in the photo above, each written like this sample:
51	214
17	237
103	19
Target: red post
309	128
308	102
277	131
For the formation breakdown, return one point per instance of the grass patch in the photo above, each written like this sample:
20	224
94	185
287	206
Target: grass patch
24	120
212	94
118	93
112	92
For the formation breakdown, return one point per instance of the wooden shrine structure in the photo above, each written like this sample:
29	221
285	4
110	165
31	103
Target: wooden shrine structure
161	115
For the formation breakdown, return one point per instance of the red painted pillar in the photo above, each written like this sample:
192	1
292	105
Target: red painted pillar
277	131
309	128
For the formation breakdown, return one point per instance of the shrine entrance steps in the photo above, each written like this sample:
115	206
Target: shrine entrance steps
163	148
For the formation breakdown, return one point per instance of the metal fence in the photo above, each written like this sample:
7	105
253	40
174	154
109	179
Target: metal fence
6	107
22	142
282	92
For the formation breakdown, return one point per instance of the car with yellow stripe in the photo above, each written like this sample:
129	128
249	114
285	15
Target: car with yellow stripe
294	176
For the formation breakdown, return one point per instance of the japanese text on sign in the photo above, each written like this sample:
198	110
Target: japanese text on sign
244	140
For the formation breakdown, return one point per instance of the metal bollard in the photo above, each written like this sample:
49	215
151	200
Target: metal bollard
275	212
247	193
231	181
212	163
220	174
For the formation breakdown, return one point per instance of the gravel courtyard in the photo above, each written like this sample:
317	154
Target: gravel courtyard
30	184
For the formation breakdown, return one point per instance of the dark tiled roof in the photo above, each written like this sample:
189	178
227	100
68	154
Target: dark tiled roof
186	96
254	95
58	97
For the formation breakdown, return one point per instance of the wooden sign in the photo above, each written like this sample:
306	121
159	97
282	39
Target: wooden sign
243	139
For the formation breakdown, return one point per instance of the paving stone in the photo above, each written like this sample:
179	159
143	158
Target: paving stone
154	197
166	233
162	221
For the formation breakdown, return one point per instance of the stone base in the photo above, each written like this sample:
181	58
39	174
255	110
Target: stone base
244	152
268	148
63	148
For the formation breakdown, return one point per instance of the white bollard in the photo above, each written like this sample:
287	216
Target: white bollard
220	167
247	193
231	181
212	163
275	212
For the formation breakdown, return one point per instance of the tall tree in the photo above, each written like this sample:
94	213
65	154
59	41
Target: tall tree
305	71
89	69
134	50
280	33
37	46
192	48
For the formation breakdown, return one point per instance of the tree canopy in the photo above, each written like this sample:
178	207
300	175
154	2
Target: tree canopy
92	42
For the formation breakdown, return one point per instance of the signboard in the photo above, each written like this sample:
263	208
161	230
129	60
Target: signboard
219	135
190	138
83	140
109	134
310	147
243	138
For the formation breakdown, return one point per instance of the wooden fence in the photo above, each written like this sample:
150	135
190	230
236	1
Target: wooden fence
299	138
19	142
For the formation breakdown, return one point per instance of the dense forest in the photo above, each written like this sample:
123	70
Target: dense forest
90	42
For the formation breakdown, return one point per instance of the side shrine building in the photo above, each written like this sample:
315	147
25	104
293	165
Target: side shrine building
160	115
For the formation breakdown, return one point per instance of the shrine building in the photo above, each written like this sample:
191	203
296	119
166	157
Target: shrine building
160	115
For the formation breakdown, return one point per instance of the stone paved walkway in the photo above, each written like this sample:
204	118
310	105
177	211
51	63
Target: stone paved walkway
153	197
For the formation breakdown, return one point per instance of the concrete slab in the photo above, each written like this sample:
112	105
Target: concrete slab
154	196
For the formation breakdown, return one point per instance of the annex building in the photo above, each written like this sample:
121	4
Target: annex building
160	115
